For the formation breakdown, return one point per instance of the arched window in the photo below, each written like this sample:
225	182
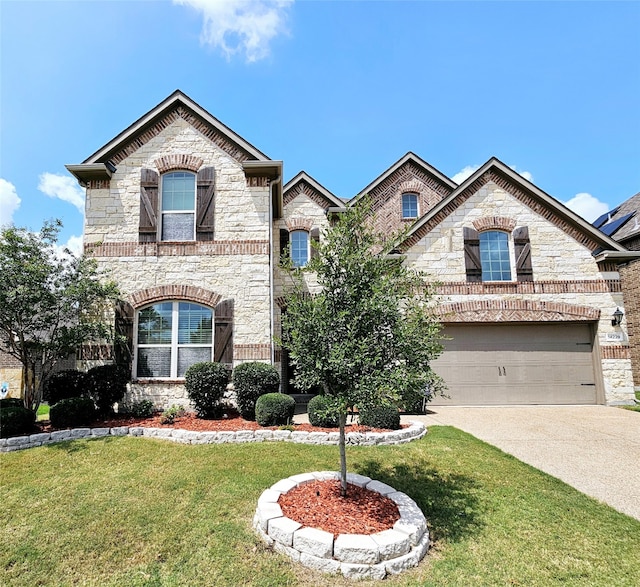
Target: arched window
170	337
178	202
409	206
494	256
300	247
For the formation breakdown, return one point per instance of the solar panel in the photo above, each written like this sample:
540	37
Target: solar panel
611	227
604	218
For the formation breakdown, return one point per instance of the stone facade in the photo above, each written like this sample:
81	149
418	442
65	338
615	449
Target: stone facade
630	275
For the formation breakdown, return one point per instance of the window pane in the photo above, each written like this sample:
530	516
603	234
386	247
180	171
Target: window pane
299	247
194	324
154	324
409	206
178	191
494	256
154	362
177	227
187	356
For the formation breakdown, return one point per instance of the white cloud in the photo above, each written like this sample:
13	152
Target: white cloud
241	26
587	206
63	187
74	244
464	173
528	176
9	202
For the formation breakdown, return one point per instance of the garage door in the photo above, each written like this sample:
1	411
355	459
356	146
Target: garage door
517	364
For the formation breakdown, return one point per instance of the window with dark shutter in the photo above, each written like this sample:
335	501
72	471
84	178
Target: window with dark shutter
522	247
205	204
223	334
315	238
123	343
284	245
148	226
472	263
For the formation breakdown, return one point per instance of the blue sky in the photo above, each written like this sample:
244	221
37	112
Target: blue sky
339	89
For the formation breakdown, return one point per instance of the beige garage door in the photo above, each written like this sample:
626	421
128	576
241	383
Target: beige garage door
518	364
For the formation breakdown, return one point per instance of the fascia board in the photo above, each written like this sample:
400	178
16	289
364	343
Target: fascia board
304	176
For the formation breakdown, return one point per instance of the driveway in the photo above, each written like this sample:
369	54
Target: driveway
595	449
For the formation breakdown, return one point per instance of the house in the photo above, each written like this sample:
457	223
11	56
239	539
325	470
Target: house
190	219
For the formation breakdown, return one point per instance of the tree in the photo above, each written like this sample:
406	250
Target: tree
49	304
369	335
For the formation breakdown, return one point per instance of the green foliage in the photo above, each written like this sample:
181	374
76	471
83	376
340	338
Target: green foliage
170	414
380	416
323	412
106	385
15	420
250	381
11	402
50	304
141	409
74	411
275	409
65	384
205	384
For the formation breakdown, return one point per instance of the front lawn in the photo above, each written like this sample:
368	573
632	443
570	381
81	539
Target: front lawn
142	512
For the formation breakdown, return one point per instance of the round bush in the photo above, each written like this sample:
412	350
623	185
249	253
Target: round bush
65	384
106	385
11	402
250	381
205	384
322	412
380	416
73	411
275	409
16	421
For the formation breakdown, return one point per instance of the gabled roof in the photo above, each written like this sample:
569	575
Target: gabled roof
532	196
303	183
624	221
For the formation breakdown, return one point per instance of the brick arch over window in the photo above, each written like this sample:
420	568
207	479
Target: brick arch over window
188	293
299	224
180	161
515	311
494	223
426	199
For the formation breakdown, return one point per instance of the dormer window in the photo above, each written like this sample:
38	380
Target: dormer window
178	202
409	206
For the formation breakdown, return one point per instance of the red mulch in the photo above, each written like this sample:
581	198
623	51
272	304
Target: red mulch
318	504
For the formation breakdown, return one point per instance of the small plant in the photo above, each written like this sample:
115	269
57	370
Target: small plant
15	420
250	381
380	416
323	412
205	384
170	415
289	427
65	384
106	385
141	409
73	411
275	409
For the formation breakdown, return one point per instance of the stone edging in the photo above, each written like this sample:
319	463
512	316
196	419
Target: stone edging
356	556
415	431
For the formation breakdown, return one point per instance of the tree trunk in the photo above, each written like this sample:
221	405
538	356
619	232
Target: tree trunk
343	455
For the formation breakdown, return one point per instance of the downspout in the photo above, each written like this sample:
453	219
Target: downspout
272	184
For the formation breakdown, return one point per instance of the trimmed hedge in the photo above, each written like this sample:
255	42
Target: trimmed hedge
250	381
106	385
380	416
11	402
71	412
16	421
65	384
275	409
205	384
322	412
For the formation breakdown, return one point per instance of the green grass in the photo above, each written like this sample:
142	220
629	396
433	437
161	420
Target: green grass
635	408
43	412
141	512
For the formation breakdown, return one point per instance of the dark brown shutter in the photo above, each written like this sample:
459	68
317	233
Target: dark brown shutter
223	333
472	263
522	247
205	207
284	244
148	228
123	344
314	234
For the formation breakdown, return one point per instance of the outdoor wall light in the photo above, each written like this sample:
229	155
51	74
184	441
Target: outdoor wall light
617	317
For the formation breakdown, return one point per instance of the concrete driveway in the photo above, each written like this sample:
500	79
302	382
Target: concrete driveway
595	449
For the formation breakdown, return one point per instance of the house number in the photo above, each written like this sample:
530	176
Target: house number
502	371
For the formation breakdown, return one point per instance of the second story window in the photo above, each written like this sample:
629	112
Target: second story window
494	256
300	247
178	202
409	206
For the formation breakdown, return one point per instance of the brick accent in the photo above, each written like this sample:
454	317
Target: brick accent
303	188
514	311
299	224
252	352
99	184
615	352
494	223
529	287
160	249
174	292
630	278
178	161
9	361
258	182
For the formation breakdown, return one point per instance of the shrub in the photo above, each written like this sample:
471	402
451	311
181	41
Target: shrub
65	384
106	385
74	411
322	412
141	409
380	416
16	420
11	402
205	384
250	381
275	409
170	414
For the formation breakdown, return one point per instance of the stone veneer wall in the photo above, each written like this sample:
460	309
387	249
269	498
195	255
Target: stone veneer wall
630	276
